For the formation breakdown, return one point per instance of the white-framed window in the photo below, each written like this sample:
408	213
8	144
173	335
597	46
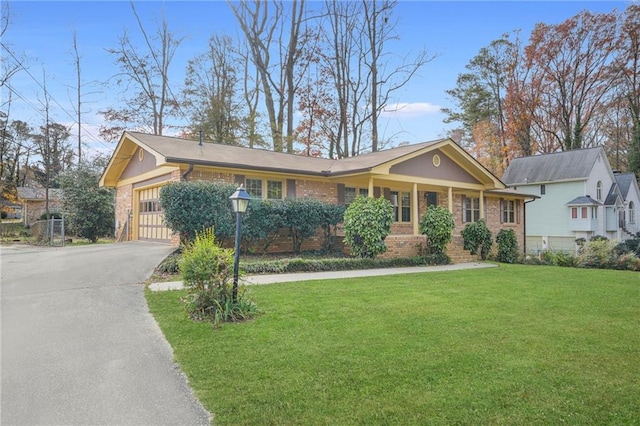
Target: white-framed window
470	209
509	213
632	212
402	206
264	188
599	191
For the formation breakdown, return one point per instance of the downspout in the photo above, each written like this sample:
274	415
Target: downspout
524	226
187	173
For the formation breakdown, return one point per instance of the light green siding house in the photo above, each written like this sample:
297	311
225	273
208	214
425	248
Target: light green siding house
580	197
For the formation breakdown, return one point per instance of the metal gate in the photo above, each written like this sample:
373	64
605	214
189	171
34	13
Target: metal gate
151	225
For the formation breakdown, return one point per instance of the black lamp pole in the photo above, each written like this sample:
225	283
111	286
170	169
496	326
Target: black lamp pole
239	203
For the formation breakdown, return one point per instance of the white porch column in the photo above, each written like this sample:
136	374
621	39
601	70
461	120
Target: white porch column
370	190
450	199
414	210
482	205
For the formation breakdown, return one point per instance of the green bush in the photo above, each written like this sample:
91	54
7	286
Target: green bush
598	253
170	264
301	217
207	272
367	222
330	216
477	238
558	258
190	207
437	224
281	266
507	246
262	223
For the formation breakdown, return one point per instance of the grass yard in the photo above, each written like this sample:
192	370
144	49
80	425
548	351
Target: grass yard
508	345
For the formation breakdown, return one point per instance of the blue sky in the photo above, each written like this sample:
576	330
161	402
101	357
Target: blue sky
40	35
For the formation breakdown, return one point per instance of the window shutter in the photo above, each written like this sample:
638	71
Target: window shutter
464	203
239	179
503	209
291	188
341	193
387	193
517	211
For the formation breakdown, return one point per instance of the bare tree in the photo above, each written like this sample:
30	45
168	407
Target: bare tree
263	24
144	76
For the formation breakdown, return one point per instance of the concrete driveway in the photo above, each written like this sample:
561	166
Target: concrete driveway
79	346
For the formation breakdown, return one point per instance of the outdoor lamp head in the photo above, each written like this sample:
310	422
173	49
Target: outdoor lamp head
240	200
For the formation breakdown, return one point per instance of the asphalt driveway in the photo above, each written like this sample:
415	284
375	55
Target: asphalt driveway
79	346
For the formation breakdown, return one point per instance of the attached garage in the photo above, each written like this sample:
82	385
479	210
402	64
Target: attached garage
151	217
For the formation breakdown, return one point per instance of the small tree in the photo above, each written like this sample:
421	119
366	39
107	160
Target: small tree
88	209
437	224
367	222
477	237
207	272
262	222
190	207
330	216
507	246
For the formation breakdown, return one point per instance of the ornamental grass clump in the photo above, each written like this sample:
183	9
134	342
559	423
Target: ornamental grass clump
207	273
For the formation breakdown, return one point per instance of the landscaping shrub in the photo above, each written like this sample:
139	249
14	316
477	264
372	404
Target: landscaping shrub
507	246
367	222
261	223
437	224
477	238
558	258
598	253
190	207
170	264
301	217
330	216
207	272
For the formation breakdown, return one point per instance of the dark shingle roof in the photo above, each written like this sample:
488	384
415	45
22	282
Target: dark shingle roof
624	181
189	151
561	166
583	201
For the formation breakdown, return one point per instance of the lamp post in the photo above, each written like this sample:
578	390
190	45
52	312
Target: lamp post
239	203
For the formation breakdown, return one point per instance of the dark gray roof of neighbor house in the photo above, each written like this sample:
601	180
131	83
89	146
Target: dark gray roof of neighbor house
583	201
613	195
25	193
560	166
624	181
190	151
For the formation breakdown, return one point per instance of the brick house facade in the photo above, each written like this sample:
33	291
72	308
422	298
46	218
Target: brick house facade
411	177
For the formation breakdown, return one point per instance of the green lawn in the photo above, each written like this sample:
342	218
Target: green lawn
508	345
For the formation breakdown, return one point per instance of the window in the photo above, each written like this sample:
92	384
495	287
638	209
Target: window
349	195
258	188
585	214
632	213
543	189
574	212
401	206
254	188
274	190
364	192
599	191
431	198
406	207
508	211
594	212
470	209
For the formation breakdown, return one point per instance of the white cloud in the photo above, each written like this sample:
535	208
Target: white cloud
409	110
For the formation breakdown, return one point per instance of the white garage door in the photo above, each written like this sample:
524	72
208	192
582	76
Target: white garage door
150	220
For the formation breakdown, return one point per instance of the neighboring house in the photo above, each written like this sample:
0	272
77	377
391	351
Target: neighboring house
411	177
33	201
580	197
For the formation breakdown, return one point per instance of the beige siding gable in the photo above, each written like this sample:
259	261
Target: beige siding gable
426	166
141	162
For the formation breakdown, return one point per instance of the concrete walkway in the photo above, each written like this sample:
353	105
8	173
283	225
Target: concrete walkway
329	275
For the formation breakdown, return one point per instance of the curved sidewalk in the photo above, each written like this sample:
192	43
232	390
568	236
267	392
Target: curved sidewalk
329	275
